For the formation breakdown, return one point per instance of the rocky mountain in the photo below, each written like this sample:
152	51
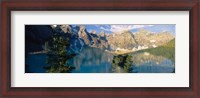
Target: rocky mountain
84	35
152	40
140	40
124	40
80	37
37	35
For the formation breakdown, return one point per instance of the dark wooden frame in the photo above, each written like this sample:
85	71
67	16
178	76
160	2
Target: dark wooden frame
101	5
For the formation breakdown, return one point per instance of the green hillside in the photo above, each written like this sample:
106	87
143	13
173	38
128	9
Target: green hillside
167	50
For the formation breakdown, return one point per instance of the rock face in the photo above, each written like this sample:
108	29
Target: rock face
66	28
80	37
93	32
36	35
83	34
102	34
137	41
99	41
124	40
152	40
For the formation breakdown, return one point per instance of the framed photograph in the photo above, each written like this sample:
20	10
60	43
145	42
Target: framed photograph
122	48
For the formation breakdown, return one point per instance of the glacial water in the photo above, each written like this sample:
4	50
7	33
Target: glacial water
94	60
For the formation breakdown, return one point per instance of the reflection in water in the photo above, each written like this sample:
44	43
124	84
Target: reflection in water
147	63
122	61
153	67
94	60
35	63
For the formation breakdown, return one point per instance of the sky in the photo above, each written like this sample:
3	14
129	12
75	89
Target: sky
133	28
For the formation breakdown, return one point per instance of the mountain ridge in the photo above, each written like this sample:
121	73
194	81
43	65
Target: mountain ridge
80	38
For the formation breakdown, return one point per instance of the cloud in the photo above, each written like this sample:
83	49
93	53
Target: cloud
105	29
119	28
89	30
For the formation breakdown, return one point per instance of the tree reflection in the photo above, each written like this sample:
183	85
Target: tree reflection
124	62
58	55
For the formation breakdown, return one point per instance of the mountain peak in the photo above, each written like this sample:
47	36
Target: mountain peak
123	40
102	34
65	28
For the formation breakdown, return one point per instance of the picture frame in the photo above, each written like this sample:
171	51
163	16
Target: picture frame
193	91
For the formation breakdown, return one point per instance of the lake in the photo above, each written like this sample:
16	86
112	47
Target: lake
95	60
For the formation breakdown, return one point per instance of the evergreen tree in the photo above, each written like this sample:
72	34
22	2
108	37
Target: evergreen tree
128	64
123	61
58	55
